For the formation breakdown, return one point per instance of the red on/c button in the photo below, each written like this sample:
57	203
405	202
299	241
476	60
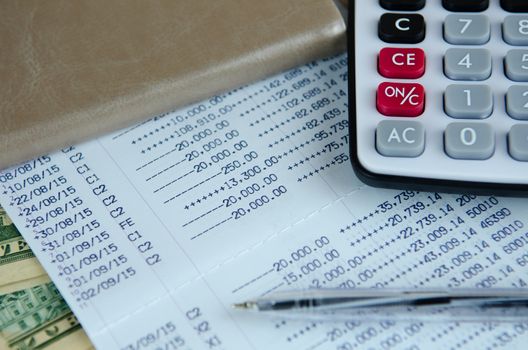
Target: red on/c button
401	63
400	99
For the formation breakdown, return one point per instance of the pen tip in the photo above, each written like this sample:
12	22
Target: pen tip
244	306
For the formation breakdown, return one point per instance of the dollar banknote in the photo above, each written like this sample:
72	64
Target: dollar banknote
39	318
33	315
19	268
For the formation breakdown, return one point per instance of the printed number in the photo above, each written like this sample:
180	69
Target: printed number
466	22
524	95
468	136
468	97
524	59
200	167
523	26
465	61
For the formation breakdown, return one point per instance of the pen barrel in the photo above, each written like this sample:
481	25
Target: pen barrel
511	311
473	305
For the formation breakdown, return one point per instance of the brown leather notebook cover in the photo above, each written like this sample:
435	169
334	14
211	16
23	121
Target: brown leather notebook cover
72	70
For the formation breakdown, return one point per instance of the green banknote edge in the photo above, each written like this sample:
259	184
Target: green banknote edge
36	317
12	246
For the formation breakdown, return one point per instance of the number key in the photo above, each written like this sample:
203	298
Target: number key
517	102
516	65
466	29
468	101
467	64
469	141
515	30
518	142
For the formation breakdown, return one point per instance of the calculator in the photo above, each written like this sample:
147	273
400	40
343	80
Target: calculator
438	94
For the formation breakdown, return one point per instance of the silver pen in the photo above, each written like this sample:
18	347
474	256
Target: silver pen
459	304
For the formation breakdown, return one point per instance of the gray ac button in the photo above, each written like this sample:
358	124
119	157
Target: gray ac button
400	138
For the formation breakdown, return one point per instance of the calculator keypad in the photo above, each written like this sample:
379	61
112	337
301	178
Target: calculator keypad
440	93
462	140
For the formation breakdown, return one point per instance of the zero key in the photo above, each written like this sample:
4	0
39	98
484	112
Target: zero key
401	28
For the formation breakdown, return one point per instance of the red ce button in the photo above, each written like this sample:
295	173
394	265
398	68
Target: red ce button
401	63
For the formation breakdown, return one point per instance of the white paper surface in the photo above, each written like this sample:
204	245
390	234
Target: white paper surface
153	232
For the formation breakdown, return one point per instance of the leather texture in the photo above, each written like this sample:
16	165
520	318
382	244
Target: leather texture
73	70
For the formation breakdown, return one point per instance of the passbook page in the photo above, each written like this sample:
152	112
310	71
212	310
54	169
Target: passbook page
152	233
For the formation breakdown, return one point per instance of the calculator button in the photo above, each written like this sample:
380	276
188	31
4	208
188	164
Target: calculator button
399	138
469	140
515	30
401	28
514	5
516	65
402	5
401	63
465	5
467	64
467	29
400	99
517	102
518	142
468	101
